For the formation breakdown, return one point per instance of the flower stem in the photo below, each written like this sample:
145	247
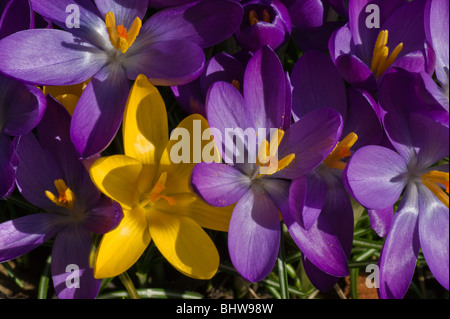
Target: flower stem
128	283
282	271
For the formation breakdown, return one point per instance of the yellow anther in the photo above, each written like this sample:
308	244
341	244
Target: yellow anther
65	198
432	180
121	38
236	84
254	18
268	158
381	60
341	151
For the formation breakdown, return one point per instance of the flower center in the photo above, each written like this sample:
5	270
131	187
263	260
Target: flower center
433	180
268	158
155	193
381	59
120	37
341	151
254	18
65	198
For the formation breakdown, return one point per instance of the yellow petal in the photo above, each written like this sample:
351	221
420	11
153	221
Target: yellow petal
117	176
122	247
145	126
184	244
179	174
207	216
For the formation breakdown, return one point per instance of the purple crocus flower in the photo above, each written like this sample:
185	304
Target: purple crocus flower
313	21
377	177
221	67
21	105
320	196
254	232
112	46
266	22
381	34
51	176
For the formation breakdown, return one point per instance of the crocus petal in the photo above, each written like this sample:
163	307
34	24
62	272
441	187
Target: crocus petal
132	236
104	217
433	146
374	175
7	170
319	244
193	145
311	139
321	280
72	276
22	107
21	235
16	16
64	13
433	232
219	184
254	235
205	23
211	217
256	36
184	244
436	29
399	254
307	14
99	111
124	11
49	57
36	172
54	137
363	118
381	219
264	89
173	62
314	191
145	105
117	177
317	83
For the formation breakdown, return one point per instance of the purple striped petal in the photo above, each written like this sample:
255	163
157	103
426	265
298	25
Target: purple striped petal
264	89
311	139
401	248
254	235
375	176
433	232
205	23
21	235
381	219
173	62
63	13
219	184
317	83
104	217
125	11
72	276
99	111
22	107
49	57
307	14
436	30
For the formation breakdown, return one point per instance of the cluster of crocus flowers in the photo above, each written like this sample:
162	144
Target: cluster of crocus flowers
354	108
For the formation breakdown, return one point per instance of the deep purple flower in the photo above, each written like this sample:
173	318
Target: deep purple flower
112	46
377	177
221	67
320	196
363	50
313	21
254	233
51	176
21	105
265	22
